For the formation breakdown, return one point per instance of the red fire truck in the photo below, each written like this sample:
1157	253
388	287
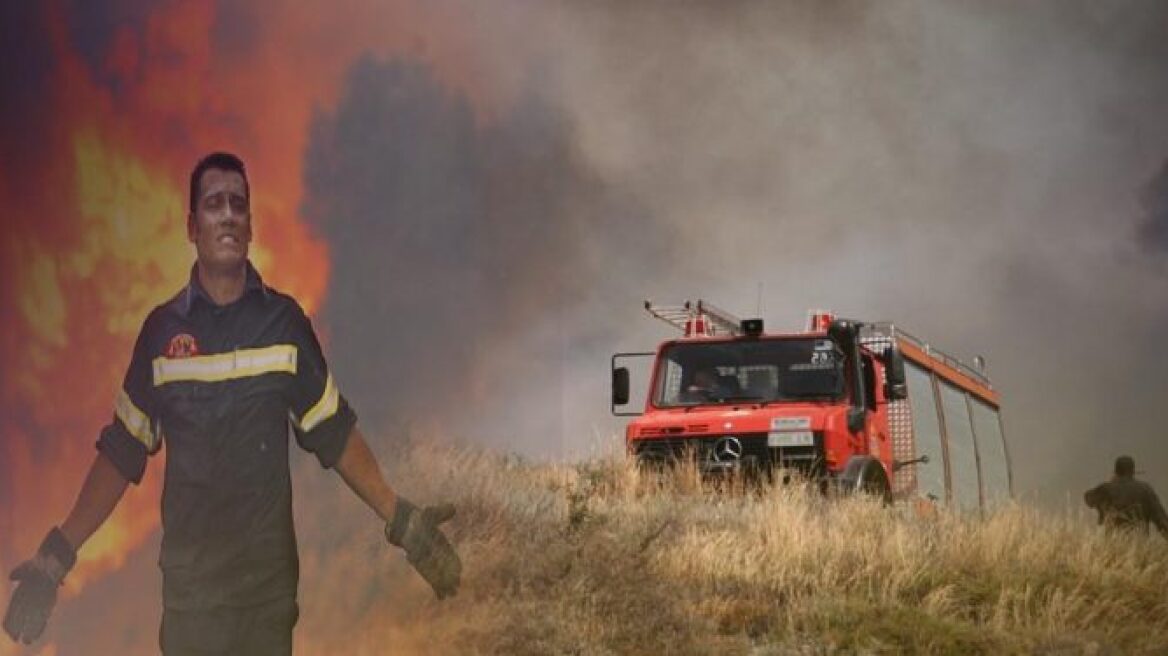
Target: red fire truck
864	407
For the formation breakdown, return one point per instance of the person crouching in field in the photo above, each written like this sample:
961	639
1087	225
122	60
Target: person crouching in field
1126	503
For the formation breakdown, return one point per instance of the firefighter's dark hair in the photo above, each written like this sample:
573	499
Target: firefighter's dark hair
1125	466
217	160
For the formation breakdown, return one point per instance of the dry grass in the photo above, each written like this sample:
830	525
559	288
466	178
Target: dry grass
599	558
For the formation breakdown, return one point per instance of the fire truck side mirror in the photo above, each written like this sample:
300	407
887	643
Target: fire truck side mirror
896	383
620	386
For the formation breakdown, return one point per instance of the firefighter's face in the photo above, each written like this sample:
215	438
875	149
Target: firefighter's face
220	226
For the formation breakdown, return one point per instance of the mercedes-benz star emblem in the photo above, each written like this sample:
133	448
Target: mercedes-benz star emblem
727	449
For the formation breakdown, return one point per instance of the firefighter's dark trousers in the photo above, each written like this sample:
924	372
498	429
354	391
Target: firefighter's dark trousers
263	630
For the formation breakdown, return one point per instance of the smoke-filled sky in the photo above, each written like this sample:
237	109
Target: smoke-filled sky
472	198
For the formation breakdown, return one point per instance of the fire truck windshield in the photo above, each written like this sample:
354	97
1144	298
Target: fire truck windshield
762	370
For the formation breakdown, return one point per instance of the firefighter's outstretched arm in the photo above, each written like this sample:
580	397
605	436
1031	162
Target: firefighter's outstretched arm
100	494
413	529
37	579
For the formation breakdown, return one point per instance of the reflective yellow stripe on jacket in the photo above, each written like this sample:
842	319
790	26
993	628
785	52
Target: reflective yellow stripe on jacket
243	363
135	421
324	408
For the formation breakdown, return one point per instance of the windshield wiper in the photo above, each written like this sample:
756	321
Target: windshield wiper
738	397
714	400
796	396
799	392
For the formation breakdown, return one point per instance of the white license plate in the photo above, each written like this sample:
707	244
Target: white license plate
784	424
791	438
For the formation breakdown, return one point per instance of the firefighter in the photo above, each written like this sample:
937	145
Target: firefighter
704	387
1126	503
217	375
705	381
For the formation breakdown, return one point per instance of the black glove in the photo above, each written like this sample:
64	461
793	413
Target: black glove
427	549
36	587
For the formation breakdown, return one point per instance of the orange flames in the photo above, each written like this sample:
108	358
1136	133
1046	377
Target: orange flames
100	238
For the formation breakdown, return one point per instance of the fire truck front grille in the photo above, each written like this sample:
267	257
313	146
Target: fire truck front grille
754	449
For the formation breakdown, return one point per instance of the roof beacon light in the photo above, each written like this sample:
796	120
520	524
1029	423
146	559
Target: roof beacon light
698	325
752	327
819	321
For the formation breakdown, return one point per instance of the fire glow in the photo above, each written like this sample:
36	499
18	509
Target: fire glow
100	239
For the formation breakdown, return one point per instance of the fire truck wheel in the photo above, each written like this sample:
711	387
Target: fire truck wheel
865	475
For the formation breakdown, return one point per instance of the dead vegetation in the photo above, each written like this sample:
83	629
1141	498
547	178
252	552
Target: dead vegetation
599	558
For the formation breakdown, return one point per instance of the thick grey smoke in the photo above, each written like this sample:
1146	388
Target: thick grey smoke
990	175
1154	230
458	251
972	172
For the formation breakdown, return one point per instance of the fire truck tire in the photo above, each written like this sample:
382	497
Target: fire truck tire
865	475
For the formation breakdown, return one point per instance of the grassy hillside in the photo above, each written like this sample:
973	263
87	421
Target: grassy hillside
600	559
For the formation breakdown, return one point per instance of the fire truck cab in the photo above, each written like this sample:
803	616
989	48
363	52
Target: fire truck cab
862	407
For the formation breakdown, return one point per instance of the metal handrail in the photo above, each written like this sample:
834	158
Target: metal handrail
889	330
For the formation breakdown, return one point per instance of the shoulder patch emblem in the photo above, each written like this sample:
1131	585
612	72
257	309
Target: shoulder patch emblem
182	345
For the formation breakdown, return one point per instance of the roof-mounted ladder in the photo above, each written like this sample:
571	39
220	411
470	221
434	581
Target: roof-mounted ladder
699	319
